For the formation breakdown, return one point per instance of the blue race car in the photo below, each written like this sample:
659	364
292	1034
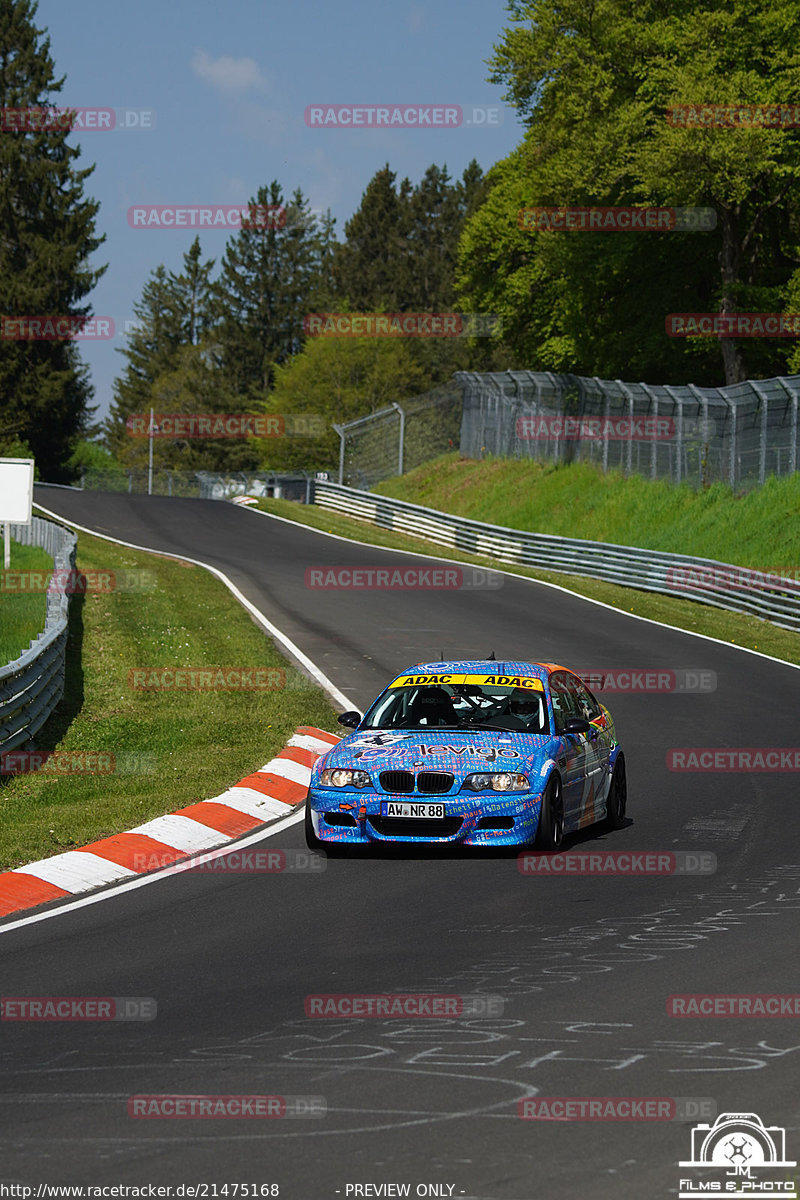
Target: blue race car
479	753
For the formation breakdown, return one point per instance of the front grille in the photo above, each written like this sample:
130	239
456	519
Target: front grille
432	782
441	827
397	781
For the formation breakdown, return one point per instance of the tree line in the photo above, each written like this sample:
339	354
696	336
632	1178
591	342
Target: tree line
236	339
679	104
593	85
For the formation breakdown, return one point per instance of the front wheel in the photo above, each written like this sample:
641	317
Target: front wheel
550	831
617	796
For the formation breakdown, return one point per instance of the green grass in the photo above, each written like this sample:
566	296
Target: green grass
739	630
192	745
760	529
22	612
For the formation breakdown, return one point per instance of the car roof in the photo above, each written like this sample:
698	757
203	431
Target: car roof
484	666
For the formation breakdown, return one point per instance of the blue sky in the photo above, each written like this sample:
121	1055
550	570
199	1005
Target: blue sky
228	84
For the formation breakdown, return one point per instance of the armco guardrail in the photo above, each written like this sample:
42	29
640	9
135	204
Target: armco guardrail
32	685
740	589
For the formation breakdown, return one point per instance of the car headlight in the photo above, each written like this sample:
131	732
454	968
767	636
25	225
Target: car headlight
340	778
497	783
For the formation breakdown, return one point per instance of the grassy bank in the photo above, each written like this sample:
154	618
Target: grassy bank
22	611
760	529
163	749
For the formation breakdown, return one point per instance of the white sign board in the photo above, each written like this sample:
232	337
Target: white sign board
16	490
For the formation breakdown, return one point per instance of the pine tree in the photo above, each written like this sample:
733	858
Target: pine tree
192	291
472	188
152	349
431	240
174	316
271	276
371	269
47	234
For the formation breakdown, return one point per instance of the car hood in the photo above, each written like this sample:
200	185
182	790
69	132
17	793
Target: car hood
461	753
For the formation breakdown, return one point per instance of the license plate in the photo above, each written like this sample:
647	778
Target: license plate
410	808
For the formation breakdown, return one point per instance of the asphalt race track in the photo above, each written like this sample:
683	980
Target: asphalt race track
584	964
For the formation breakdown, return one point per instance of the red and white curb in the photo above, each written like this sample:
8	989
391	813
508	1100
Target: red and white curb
259	799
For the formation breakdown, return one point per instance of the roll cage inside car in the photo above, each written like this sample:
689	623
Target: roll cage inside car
460	706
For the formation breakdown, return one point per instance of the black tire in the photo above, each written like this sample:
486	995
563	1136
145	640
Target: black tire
312	841
550	831
617	801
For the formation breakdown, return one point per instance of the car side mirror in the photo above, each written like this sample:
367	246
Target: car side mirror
353	719
576	725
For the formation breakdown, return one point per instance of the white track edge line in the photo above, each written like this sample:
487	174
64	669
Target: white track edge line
528	578
310	667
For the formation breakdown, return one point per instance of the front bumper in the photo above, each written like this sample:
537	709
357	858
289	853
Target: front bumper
354	818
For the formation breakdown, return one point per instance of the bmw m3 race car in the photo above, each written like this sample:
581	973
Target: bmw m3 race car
480	753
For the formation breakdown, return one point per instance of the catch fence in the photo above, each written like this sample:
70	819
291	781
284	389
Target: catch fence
737	434
399	437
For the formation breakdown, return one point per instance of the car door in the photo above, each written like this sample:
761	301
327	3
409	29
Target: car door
597	754
572	759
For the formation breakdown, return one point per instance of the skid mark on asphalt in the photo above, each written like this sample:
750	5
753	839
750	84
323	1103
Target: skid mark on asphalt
720	825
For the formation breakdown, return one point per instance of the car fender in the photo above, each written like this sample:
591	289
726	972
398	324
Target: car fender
548	768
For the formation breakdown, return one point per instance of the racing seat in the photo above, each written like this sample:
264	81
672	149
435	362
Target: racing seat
433	705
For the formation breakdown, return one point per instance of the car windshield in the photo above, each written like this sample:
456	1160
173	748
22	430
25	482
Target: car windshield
463	706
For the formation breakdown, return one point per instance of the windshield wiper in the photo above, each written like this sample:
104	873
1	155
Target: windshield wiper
491	728
418	728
